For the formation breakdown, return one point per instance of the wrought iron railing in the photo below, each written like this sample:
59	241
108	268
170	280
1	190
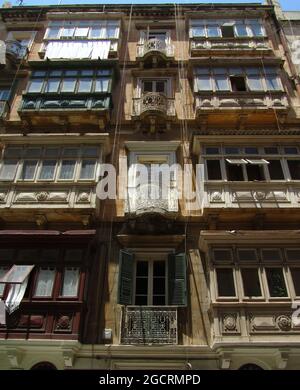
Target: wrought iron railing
15	49
155	45
152	102
149	325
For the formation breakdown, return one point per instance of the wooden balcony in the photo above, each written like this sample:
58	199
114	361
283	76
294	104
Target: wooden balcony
236	46
149	325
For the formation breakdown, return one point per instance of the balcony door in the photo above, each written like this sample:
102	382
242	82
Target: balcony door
150	287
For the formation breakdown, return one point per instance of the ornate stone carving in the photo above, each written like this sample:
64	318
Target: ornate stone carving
2	196
229	322
83	197
260	195
284	322
216	196
63	323
42	196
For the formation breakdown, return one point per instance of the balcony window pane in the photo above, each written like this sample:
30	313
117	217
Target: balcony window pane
294	167
90	151
52	152
241	30
70	152
67	32
52	85
232	150
52	32
213	31
81	32
251	282
198	31
87	72
296	280
291	150
213	170
273	83
55	73
271	150
101	85
222	83
4	94
112	31
203	83
29	167
211	150
95	32
85	85
254	83
276	283
8	169
225	282
234	172
275	170
36	85
47	170
45	282
68	85
87	169
71	282
257	30
255	172
67	169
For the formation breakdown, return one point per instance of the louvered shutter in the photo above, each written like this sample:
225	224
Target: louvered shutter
125	278
177	290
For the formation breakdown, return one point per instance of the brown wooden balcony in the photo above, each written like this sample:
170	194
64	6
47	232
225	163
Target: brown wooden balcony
149	325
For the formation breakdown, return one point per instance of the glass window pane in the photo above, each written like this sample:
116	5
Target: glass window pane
204	83
36	85
234	172
29	167
70	282
55	73
294	167
251	282
272	83
225	282
71	73
276	283
222	83
33	152
291	150
275	170
52	32
112	31
68	85
141	287
67	169
67	32
90	151
271	150
211	150
232	150
45	282
95	32
198	31
87	169
296	280
52	152
87	72
85	85
81	32
251	150
159	300
3	271
8	169
70	152
39	73
213	31
142	268
47	170
213	170
17	274
241	30
52	85
257	30
101	85
4	94
254	83
159	268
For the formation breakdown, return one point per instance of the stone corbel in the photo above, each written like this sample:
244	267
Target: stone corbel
15	356
225	361
85	219
282	359
69	357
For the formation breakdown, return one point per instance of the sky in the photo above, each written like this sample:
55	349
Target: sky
287	5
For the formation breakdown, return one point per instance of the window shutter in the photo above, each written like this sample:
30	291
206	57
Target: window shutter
177	279
125	278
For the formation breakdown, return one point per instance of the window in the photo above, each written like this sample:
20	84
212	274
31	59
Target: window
155	86
234	170
237	79
275	170
70	81
276	282
79	29
294	168
217	28
45	282
70	282
295	272
255	172
4	94
251	283
68	163
17	274
213	170
225	282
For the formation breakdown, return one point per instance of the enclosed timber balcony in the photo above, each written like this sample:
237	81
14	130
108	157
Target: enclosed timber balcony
236	46
155	48
149	325
154	103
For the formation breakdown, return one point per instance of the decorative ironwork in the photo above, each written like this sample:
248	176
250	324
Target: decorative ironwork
155	45
154	102
149	325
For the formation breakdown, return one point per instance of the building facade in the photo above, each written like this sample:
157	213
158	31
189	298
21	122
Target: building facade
207	281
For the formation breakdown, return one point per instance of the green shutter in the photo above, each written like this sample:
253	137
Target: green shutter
125	278
177	279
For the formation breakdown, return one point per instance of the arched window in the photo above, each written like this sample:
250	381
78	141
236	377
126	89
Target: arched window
250	366
44	366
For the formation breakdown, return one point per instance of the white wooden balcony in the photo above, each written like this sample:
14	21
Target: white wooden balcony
149	325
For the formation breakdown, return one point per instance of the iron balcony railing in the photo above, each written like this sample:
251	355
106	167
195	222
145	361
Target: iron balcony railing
155	45
149	325
154	102
15	49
